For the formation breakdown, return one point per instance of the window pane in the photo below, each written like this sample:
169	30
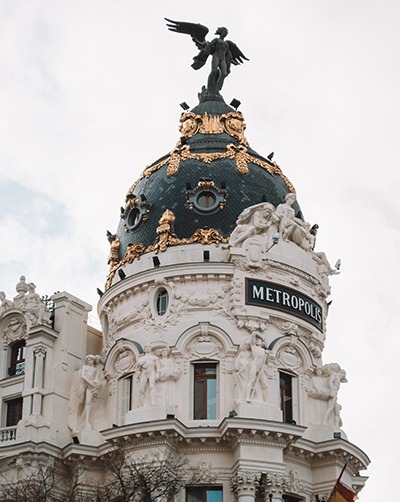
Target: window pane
14	412
206	200
199	400
212	398
205	391
214	495
162	302
204	494
286	397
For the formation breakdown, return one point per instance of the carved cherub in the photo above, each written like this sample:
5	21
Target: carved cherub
224	52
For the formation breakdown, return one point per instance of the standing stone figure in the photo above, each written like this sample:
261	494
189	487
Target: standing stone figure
250	377
146	369
166	375
257	383
325	386
86	394
242	365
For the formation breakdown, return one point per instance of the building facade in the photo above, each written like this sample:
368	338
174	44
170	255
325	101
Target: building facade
211	349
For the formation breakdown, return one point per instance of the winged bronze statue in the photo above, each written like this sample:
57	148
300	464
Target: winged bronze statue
224	52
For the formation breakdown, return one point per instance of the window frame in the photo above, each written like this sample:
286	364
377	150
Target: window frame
202	492
16	360
162	295
294	398
205	397
18	402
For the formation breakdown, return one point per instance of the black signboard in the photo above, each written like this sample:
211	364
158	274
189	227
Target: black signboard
275	296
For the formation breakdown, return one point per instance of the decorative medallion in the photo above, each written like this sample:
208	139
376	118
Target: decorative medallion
15	329
204	346
125	362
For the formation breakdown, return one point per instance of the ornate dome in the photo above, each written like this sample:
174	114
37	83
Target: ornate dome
205	182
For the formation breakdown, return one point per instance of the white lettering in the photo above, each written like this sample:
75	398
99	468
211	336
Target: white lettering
295	302
286	299
270	293
258	293
307	308
301	304
278	293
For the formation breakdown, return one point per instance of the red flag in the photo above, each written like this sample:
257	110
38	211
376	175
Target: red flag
342	494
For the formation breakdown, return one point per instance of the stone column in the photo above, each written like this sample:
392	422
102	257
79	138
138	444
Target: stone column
39	354
274	486
245	484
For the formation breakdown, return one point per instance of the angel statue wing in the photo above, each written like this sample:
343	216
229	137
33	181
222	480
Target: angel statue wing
224	52
197	31
237	54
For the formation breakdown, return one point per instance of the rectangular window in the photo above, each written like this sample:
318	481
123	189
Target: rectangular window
289	498
204	494
286	391
17	359
205	391
14	411
126	394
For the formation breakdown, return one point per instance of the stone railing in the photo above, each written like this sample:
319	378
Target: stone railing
8	434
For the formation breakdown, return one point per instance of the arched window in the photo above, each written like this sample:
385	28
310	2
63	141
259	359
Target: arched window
161	301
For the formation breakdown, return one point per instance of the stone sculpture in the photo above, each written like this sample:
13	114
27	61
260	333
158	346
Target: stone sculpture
166	375
29	302
146	369
87	395
34	307
224	53
250	377
4	303
254	220
291	228
325	386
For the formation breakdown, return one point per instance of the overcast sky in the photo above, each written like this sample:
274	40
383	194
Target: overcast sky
90	93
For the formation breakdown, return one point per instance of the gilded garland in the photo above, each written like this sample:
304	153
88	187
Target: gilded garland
166	237
231	123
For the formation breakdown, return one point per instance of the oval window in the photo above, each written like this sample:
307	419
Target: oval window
134	217
162	302
206	200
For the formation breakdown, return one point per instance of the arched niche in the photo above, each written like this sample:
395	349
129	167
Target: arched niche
122	358
205	341
291	354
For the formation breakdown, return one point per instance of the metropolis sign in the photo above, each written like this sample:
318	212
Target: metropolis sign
275	296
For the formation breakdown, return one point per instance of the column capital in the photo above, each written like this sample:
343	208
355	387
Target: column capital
40	350
245	482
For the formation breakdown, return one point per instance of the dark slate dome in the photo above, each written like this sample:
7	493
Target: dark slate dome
207	181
